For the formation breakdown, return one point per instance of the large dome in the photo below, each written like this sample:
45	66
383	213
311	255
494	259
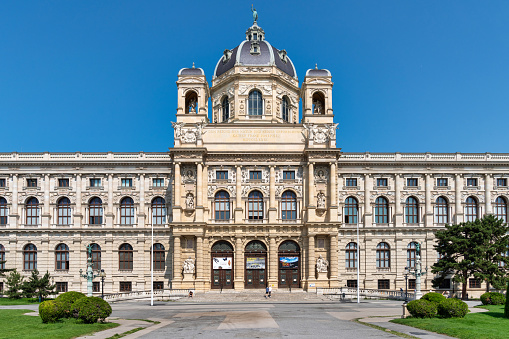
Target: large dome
255	51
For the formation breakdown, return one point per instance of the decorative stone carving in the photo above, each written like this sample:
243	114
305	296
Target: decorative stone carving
322	264
188	174
188	135
211	190
190	201
265	176
321	174
188	266
320	203
320	135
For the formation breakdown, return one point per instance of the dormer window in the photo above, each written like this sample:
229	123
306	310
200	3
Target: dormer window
255	103
255	36
255	47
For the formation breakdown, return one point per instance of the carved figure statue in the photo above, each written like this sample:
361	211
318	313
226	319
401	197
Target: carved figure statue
318	107
199	129
177	126
192	105
255	13
320	200
322	264
188	265
190	201
332	130
312	130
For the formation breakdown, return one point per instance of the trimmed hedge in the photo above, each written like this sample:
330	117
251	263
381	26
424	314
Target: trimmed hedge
493	298
50	311
452	308
67	300
422	308
91	309
434	297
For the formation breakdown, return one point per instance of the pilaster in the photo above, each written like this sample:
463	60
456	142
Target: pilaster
398	220
177	262
334	262
13	212
487	193
176	206
199	193
110	213
458	200
272	196
311	259
311	214
428	210
368	213
333	208
238	202
239	265
141	210
273	262
46	216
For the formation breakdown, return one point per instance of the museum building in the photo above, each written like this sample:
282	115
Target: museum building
251	194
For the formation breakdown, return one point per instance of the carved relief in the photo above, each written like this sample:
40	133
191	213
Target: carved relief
319	134
190	134
321	174
188	174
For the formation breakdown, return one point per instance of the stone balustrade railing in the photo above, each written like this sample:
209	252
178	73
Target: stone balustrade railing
79	156
346	292
159	294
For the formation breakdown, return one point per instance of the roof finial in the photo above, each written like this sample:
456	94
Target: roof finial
316	66
193	64
255	14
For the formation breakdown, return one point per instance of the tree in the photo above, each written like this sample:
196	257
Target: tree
39	287
14	283
473	249
4	270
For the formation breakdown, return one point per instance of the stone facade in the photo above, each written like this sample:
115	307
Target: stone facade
249	194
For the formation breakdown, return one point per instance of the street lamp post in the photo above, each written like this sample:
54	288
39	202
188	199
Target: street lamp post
406	272
102	274
417	272
89	274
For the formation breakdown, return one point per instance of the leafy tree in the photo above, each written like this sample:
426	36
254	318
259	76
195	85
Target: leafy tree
39	287
473	249
4	270
14	283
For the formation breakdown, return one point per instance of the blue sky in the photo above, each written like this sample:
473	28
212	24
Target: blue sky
409	76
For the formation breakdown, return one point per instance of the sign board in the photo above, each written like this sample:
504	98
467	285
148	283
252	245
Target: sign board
288	262
224	263
254	263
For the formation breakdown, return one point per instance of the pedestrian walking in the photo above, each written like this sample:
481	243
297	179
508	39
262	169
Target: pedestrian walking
270	291
266	292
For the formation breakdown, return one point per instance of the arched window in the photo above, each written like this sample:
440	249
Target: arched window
225	106
351	210
411	252
412	211
222	246
2	257
471	209
127	211
222	206
289	246
285	109
125	257
351	255
64	211
4	212
96	257
318	103
158	261
32	212
288	206
29	257
191	102
256	246
158	211
441	211
255	205
255	103
95	207
381	211
383	255
501	208
62	257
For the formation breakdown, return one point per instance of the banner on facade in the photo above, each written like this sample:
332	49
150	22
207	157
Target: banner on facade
254	263
288	262
224	263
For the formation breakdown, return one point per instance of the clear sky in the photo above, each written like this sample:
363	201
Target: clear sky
409	76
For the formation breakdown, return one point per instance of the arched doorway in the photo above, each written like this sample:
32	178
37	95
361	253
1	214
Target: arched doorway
222	265
289	264
255	257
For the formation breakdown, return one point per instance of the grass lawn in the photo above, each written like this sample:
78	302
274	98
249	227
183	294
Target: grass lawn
22	301
14	324
490	324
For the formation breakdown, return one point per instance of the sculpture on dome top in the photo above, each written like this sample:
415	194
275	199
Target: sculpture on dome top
255	14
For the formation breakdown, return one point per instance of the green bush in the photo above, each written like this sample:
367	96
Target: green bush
434	297
506	309
452	308
91	309
66	301
50	311
492	298
422	308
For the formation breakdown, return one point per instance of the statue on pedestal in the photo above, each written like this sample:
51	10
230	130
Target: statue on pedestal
322	264
188	265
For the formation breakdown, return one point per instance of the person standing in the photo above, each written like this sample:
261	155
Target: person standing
270	291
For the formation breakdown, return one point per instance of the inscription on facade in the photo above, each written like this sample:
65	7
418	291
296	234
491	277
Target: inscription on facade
253	135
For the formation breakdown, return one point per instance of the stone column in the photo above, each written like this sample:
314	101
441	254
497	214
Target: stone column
78	215
458	200
205	186
141	208
311	193
239	265
368	213
272	263
272	196
238	202
199	193
398	220
311	258
428	217
487	194
199	259
110	213
176	204
177	262
334	262
46	216
13	212
333	208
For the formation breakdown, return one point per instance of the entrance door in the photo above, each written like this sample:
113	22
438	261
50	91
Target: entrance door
289	265
222	279
255	263
222	265
255	278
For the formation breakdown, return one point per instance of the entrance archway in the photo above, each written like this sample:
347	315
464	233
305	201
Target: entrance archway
222	265
289	264
255	259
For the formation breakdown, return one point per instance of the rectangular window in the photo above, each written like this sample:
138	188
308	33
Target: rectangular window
445	284
96	286
158	285
126	286
411	284
382	182
384	284
2	182
127	182
474	283
500	182
61	286
189	244
288	175
221	175
351	283
95	182
320	243
255	175
412	182
442	182
351	182
158	182
471	181
63	182
31	182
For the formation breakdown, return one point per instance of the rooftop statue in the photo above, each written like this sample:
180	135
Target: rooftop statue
255	14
